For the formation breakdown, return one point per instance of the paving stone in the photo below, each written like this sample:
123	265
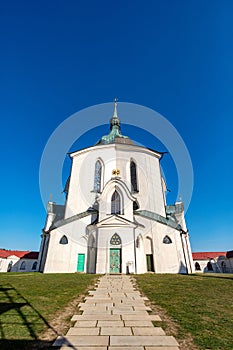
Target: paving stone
115	317
155	318
149	340
98	298
133	294
132	312
115	331
139	308
148	331
84	331
121	308
84	324
100	317
82	340
94	300
134	302
110	324
132	323
96	312
118	295
93	307
138	317
125	348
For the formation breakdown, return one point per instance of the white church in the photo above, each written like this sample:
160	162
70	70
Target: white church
115	218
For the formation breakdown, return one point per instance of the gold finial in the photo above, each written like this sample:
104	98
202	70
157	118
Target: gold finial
50	197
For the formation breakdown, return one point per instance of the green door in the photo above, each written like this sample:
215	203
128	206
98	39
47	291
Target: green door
81	260
115	260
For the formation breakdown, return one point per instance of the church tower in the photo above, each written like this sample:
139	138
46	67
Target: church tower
115	219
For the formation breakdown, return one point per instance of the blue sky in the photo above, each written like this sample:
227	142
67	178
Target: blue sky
58	57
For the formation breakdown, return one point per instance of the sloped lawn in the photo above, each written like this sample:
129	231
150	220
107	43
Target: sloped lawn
201	305
30	301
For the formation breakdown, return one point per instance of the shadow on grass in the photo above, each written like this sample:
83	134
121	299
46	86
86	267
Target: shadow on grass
25	344
12	296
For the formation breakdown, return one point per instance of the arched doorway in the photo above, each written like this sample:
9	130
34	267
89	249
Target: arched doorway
91	255
149	254
115	254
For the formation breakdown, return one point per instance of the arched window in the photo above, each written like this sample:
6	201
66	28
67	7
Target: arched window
209	266
97	178
23	265
167	240
133	177
63	240
10	266
115	240
34	265
116	203
197	266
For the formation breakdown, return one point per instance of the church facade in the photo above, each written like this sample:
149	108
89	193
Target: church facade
115	218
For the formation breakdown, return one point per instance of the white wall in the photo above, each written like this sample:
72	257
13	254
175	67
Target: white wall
115	156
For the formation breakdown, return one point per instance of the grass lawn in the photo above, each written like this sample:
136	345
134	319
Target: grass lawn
201	305
29	301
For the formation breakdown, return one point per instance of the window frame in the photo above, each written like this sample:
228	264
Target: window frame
63	240
98	176
23	265
133	177
116	203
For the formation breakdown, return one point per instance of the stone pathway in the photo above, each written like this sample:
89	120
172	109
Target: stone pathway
115	317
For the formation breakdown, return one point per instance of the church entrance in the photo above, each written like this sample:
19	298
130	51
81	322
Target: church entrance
115	260
148	246
150	263
80	264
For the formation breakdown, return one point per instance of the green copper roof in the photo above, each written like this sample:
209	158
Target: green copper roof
63	222
114	135
159	218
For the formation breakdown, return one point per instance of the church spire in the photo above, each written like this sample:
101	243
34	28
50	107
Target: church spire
114	135
115	122
115	107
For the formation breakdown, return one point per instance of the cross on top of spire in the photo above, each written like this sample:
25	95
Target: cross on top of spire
115	121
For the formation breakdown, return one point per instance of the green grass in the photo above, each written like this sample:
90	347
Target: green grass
201	305
28	303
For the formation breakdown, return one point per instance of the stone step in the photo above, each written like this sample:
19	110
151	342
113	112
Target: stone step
83	331
149	340
82	340
114	316
100	317
116	331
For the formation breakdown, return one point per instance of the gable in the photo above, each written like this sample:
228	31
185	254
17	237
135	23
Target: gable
116	221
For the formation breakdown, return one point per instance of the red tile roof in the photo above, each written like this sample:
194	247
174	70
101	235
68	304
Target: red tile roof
230	254
4	253
207	255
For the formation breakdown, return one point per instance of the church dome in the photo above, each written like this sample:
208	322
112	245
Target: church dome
115	135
